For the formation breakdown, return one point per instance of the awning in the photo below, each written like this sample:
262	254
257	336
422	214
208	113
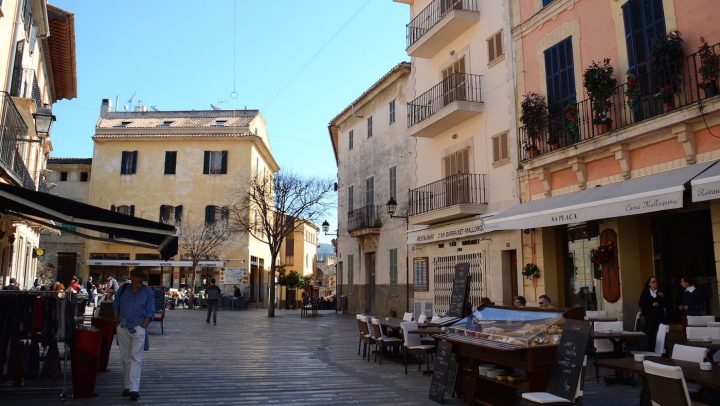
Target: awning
707	185
124	229
660	191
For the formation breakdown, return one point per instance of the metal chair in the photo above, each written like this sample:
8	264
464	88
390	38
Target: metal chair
382	341
667	385
412	344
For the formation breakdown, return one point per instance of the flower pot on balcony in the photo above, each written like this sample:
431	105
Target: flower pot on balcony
602	125
711	89
533	152
667	107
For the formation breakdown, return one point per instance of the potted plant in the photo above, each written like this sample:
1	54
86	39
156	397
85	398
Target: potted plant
531	271
600	84
632	93
603	255
709	68
571	122
534	116
667	57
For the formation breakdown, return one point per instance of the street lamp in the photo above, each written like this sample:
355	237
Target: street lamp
43	121
391	206
326	227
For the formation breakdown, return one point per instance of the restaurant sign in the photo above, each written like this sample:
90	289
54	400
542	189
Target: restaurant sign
449	232
706	189
152	263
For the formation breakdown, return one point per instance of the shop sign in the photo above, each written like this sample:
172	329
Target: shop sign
234	276
119	262
460	230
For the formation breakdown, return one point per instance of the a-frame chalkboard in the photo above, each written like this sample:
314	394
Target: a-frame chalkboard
569	359
444	372
460	290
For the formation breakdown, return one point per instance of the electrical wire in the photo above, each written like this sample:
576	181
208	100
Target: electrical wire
319	51
707	127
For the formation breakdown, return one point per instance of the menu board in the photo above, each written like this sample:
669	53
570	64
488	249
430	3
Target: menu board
442	372
569	359
460	288
420	273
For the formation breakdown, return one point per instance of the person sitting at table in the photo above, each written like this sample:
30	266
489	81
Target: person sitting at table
519	301
652	307
693	299
544	301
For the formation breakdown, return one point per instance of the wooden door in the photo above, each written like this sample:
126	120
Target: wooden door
66	266
610	270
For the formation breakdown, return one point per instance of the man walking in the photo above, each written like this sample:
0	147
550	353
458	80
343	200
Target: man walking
213	296
112	287
133	310
89	286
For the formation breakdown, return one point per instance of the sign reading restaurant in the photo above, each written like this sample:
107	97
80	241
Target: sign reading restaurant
458	230
120	262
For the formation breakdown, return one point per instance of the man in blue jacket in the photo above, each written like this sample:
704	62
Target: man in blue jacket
693	299
133	310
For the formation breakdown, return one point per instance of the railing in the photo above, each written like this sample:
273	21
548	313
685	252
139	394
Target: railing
461	188
433	14
12	127
364	217
456	87
641	99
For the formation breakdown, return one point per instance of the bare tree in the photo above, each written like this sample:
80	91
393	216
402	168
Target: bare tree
202	241
272	206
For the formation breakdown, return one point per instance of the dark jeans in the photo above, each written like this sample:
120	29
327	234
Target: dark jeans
212	306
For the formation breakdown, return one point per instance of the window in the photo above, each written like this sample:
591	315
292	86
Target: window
215	162
289	247
165	123
219	123
350	139
644	25
495	47
457	162
546	2
393	273
128	164
170	214
170	162
350	198
63	176
370	191
393	182
500	147
392	111
216	215
350	270
124	209
453	83
122	124
369	123
84	176
560	77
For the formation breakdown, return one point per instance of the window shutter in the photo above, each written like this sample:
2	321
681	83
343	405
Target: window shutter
132	210
463	161
206	163
496	148
178	213
504	153
123	163
133	160
209	215
491	49
560	76
223	168
112	207
163	214
498	44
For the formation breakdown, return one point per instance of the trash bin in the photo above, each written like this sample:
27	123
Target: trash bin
344	304
84	361
107	328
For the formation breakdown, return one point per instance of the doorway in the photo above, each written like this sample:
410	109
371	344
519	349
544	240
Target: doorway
370	275
510	276
66	266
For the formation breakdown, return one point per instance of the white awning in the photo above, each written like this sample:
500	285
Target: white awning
154	263
707	185
660	191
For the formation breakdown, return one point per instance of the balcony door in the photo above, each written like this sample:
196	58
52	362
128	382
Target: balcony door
453	84
457	179
560	81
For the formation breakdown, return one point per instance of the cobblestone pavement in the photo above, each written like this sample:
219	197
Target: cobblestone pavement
250	359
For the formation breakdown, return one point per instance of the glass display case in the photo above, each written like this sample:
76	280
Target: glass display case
516	327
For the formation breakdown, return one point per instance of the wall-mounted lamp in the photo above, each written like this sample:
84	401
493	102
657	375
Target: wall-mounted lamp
391	206
326	227
43	121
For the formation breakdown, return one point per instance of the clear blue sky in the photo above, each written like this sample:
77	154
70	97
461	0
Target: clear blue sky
299	62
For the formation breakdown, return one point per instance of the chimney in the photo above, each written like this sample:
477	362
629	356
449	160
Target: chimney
105	107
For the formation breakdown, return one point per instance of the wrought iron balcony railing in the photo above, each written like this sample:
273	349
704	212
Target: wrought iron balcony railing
12	128
433	14
461	188
456	87
364	217
643	97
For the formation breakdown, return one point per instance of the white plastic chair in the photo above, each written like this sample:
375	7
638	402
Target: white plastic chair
663	330
636	326
595	314
688	353
434	318
408	316
700	320
698	333
603	345
422	318
413	345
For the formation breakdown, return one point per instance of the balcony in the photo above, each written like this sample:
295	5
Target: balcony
457	196
452	101
365	220
439	23
12	128
637	102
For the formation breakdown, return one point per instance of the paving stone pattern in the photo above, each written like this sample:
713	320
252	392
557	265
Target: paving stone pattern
250	359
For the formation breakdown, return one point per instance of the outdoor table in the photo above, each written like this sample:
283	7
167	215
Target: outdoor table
602	318
691	371
617	338
712	346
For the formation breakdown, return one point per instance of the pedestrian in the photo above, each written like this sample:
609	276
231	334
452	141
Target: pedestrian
75	285
13	285
38	282
652	306
519	301
112	287
90	286
236	291
133	310
544	301
693	299
213	296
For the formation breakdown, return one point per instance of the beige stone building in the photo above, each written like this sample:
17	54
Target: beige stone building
37	68
460	112
69	178
298	253
178	166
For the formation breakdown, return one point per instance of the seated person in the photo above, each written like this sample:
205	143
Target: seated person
519	301
544	301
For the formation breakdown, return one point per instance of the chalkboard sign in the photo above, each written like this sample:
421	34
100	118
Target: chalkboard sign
420	273
159	295
569	359
442	372
459	295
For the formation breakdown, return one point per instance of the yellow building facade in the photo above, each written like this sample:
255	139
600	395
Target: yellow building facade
179	166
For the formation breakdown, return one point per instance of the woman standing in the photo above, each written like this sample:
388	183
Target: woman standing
652	306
